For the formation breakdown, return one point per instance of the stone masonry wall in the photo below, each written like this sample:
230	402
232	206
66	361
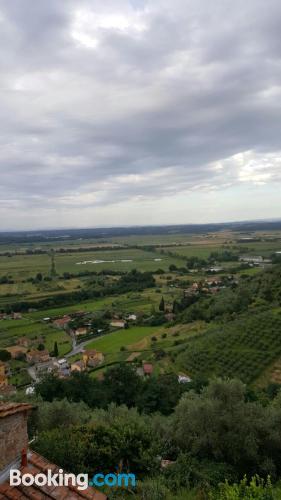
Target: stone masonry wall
13	438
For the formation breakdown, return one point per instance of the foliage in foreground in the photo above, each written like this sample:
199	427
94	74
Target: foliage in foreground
256	489
214	435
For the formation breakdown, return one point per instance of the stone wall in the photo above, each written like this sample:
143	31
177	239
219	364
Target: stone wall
13	438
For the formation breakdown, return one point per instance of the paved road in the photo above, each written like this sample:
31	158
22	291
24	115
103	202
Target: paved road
32	373
77	348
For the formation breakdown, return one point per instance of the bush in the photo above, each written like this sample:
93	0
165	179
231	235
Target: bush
152	489
256	489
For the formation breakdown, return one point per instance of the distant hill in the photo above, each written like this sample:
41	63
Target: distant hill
64	234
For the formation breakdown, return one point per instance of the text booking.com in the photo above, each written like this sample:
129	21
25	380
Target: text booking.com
81	481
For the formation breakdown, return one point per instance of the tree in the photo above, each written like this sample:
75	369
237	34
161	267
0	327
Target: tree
50	387
41	347
117	437
39	277
5	355
122	385
56	350
162	304
220	424
160	394
61	414
172	268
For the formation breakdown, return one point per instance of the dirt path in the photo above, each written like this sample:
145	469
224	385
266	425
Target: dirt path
133	356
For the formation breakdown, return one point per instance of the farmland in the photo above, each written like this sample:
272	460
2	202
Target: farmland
90	269
243	348
36	331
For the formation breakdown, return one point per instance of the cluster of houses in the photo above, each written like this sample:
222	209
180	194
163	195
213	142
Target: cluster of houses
12	315
257	260
63	368
211	285
24	350
67	322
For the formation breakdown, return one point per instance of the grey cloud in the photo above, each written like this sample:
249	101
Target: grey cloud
198	85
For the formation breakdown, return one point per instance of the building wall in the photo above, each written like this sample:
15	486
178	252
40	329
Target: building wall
13	438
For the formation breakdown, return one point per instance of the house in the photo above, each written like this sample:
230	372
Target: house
3	375
44	367
16	315
16	351
147	369
92	358
251	259
24	341
62	322
213	282
36	356
132	317
15	454
62	367
118	323
81	331
77	366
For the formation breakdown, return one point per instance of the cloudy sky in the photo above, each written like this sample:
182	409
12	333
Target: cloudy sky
121	112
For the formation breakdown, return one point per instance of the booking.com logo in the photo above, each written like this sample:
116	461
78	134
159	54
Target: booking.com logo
113	480
81	481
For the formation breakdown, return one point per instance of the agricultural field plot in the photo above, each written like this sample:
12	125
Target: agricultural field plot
118	260
142	343
264	248
200	251
21	267
178	238
243	348
112	342
12	330
35	291
127	303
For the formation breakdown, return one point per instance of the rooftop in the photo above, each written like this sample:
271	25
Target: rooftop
147	368
7	409
36	465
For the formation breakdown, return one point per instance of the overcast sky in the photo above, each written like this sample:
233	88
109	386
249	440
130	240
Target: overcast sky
121	112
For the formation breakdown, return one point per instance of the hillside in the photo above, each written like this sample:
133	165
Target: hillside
242	348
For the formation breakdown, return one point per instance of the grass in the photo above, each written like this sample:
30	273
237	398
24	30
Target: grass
20	266
11	330
130	302
112	342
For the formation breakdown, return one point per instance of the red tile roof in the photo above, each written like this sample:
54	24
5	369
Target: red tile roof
147	368
7	409
36	465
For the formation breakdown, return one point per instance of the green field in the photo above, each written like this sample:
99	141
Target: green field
242	348
112	342
11	330
23	266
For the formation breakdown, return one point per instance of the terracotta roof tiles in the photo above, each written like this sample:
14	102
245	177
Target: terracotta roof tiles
7	409
38	464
